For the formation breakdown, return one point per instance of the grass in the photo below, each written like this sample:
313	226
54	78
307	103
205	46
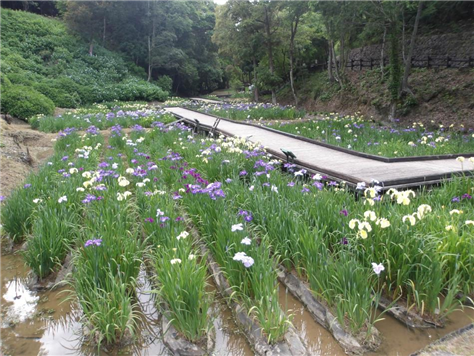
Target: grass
252	111
360	134
102	117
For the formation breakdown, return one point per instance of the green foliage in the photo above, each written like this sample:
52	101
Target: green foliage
5	83
38	52
54	228
165	83
24	102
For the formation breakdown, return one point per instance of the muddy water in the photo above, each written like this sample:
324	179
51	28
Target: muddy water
42	324
400	340
317	339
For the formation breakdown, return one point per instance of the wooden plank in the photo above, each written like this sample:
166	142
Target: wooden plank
344	165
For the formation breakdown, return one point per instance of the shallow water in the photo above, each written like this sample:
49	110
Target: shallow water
36	323
43	324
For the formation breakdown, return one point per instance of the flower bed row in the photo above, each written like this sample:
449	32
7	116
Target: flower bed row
251	111
359	134
415	254
416	248
102	117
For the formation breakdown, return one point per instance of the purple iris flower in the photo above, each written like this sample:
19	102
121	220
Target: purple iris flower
96	242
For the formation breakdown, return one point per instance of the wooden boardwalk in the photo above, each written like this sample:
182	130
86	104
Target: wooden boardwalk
207	101
336	164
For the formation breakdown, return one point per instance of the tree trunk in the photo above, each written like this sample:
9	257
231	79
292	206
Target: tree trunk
149	58
150	69
91	48
407	71
394	84
270	51
292	54
382	51
330	74
103	35
255	86
336	71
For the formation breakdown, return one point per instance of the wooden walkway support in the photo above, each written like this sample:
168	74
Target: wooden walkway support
335	163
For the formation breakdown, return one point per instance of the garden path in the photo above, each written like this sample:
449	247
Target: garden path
207	101
340	165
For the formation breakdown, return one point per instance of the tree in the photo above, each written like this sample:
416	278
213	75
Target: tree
342	20
407	70
89	18
239	37
295	11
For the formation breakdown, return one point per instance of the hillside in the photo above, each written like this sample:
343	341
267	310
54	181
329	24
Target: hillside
442	95
45	66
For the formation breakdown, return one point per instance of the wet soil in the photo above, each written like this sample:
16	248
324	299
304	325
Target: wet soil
22	150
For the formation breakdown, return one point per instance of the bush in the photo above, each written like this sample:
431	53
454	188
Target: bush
20	78
60	98
165	83
4	82
38	52
24	102
134	89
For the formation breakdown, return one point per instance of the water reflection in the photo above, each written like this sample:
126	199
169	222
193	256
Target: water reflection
44	324
22	301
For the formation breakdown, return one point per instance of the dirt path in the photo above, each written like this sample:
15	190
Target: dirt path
22	150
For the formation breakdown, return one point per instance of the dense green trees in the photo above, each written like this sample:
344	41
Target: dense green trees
267	44
282	40
167	38
43	66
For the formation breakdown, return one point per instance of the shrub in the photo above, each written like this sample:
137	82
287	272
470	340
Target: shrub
24	102
165	83
21	78
60	98
4	82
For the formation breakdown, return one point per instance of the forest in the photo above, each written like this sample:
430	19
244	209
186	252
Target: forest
196	47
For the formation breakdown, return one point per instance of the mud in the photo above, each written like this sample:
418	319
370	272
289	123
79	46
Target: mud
22	150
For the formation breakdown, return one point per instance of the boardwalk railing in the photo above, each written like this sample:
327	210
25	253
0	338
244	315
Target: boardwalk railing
416	62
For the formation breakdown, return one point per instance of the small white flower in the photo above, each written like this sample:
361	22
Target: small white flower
317	176
182	235
377	268
246	241
159	213
129	170
410	218
114	166
251	188
360	186
274	189
123	182
175	260
37	200
369	214
61	199
237	227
